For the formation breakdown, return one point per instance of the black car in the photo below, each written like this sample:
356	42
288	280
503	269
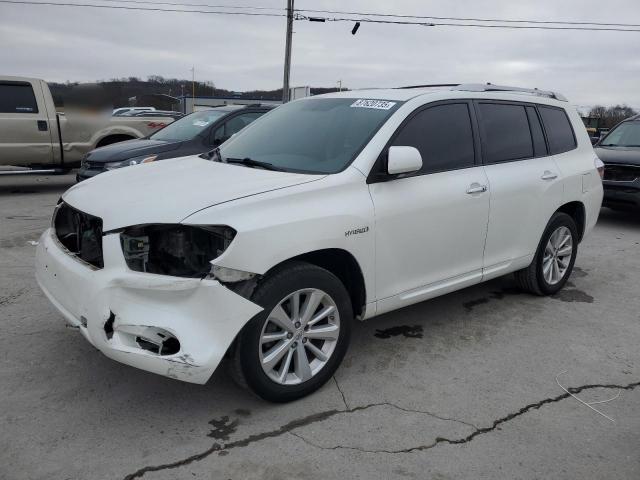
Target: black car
155	113
619	150
196	133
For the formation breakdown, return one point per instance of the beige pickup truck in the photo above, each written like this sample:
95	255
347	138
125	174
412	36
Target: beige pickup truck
35	138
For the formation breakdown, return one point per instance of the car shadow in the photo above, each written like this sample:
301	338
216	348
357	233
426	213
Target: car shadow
35	184
619	218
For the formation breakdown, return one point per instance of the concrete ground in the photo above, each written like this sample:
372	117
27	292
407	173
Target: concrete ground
463	386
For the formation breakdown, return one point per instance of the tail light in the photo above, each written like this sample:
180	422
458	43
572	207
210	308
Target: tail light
599	166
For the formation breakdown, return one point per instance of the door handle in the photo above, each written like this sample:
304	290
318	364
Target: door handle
549	175
42	125
476	188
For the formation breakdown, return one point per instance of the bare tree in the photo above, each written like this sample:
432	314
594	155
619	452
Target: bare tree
610	116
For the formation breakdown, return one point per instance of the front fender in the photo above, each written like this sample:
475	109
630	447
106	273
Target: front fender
333	213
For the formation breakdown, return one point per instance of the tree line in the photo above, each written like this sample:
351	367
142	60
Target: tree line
611	116
119	91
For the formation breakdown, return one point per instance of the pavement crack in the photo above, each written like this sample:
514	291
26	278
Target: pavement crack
482	431
289	427
344	400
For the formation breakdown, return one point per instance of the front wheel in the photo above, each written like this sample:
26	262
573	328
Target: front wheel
554	259
297	342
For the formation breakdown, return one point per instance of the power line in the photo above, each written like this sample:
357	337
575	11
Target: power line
120	7
462	19
475	25
175	4
330	19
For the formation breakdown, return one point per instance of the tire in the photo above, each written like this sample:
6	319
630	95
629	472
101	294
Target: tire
287	379
535	278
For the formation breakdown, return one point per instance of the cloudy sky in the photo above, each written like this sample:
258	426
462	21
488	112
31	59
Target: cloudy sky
242	53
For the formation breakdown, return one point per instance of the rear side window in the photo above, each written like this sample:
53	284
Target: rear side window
539	145
505	132
443	135
558	128
17	97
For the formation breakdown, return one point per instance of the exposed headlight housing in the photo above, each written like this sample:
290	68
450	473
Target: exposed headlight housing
176	250
130	162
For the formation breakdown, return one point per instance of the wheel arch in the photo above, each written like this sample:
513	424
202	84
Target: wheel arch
343	265
113	138
577	211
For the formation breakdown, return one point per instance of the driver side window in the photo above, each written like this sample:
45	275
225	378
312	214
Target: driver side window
233	126
443	136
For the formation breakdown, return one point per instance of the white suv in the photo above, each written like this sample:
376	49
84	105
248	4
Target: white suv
325	210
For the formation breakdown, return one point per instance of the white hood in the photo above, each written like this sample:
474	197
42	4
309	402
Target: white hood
168	191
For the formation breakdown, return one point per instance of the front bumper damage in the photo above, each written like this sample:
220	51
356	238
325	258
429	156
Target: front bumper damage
124	314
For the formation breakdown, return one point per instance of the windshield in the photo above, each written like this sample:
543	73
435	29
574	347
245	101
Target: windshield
188	127
626	134
321	135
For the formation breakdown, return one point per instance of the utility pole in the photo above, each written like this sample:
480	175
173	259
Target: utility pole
193	89
287	52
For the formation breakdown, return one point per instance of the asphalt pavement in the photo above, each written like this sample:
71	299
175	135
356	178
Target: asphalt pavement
465	386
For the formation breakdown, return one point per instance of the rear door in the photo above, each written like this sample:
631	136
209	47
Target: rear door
430	227
25	133
524	181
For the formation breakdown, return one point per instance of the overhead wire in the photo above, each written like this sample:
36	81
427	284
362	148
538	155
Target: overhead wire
257	11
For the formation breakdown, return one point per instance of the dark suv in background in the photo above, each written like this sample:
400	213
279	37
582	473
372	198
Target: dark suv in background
196	133
620	153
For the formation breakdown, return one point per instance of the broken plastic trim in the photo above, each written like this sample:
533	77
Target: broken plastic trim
108	325
230	275
176	250
169	346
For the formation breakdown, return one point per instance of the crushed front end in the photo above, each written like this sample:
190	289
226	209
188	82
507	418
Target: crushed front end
136	299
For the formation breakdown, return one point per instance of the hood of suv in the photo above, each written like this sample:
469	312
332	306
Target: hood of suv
171	190
129	149
625	155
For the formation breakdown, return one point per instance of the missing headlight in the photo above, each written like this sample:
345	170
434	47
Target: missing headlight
176	250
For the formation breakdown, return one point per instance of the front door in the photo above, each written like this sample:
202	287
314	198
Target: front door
431	226
25	133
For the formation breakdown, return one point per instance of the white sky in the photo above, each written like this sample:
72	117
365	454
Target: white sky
243	53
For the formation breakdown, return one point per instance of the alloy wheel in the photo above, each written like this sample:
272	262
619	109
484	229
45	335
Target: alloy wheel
557	255
299	336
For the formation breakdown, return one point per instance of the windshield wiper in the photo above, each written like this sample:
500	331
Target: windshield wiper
249	162
617	145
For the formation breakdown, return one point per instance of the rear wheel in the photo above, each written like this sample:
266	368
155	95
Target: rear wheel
554	259
297	342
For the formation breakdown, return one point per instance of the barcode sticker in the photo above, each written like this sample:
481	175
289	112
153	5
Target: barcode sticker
377	104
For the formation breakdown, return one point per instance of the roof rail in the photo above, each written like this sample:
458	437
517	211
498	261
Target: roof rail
489	87
429	86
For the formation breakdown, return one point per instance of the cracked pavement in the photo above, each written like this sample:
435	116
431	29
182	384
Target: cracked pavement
462	386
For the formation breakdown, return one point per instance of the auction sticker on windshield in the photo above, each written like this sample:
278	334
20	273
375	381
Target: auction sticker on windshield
377	104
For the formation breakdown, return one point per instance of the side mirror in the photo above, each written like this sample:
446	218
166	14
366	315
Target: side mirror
403	160
594	140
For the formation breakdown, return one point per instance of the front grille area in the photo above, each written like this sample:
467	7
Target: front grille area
621	173
80	233
89	165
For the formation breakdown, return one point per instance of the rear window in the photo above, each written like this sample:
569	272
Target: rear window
17	97
505	132
559	132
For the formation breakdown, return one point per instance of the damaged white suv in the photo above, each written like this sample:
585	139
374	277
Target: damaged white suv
326	209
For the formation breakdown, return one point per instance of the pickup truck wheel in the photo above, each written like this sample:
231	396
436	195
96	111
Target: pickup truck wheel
554	259
297	342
